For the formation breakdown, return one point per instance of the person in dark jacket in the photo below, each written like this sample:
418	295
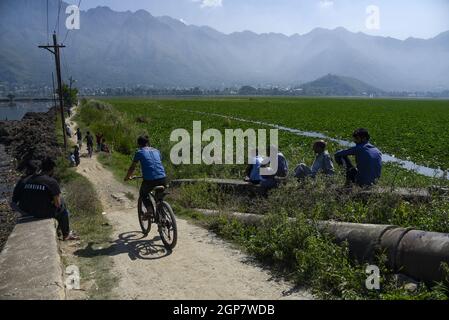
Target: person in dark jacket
90	144
368	160
76	153
39	196
79	137
99	139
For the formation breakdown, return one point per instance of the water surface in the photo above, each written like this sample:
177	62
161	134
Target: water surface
18	109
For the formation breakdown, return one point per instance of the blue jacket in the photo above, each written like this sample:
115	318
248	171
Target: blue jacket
369	162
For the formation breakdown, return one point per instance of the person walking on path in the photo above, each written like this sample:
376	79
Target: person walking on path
90	144
99	139
79	137
76	153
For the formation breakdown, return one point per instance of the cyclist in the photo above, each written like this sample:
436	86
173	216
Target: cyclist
152	169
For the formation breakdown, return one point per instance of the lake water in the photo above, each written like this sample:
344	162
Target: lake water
20	108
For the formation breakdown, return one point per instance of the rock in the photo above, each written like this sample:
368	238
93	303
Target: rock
412	287
405	282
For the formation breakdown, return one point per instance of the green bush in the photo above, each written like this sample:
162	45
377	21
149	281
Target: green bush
120	132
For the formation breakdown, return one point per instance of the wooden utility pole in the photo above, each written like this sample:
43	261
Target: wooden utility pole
55	52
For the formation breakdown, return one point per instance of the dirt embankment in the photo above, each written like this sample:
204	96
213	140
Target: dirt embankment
32	138
7	179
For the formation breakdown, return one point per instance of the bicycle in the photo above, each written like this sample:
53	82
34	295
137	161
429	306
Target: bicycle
162	214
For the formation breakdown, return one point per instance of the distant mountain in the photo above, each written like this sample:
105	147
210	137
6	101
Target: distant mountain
135	48
333	85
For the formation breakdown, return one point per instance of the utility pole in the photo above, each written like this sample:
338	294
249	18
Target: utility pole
55	52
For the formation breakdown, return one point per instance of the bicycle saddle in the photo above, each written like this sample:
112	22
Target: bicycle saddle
159	189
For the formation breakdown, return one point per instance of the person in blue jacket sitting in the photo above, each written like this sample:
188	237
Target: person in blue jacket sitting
368	160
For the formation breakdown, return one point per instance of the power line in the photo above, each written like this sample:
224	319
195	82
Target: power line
57	17
48	32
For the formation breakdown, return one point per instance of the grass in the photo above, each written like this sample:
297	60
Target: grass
296	249
87	220
299	251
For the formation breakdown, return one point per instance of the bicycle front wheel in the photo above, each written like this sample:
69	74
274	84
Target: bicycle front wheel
167	226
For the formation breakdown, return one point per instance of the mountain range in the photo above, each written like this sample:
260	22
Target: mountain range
135	48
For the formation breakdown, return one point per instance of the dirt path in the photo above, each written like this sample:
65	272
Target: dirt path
202	266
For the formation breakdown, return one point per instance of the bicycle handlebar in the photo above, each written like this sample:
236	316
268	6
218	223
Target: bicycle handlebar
136	177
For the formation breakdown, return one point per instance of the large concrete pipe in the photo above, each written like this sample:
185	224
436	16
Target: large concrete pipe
417	254
363	239
421	253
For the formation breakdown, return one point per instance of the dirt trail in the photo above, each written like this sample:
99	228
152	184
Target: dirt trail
201	266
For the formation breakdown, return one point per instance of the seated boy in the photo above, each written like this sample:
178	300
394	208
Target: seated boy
322	164
269	181
39	195
103	146
253	170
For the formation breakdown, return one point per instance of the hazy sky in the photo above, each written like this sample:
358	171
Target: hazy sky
398	18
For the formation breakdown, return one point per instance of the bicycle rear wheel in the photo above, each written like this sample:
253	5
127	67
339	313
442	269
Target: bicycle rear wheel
167	226
144	216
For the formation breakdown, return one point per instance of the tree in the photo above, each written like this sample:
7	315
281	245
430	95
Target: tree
10	97
69	95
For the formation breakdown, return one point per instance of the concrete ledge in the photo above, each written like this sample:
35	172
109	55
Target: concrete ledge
241	187
408	194
30	265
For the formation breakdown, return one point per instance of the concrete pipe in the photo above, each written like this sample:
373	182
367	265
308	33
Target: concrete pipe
417	254
363	239
420	255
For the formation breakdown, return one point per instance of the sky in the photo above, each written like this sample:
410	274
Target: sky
395	18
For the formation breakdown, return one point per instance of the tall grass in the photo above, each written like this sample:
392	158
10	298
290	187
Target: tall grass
311	259
117	129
